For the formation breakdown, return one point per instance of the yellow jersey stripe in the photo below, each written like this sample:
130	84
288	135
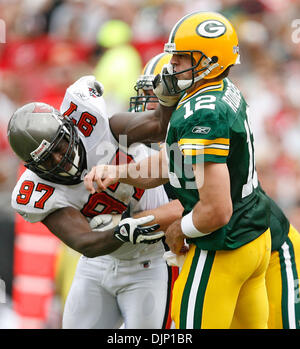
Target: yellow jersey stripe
202	87
200	147
213	86
203	141
209	151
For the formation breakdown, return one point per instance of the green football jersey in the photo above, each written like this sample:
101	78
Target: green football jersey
211	125
279	224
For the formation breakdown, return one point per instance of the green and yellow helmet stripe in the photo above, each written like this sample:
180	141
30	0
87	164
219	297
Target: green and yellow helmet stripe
149	68
177	25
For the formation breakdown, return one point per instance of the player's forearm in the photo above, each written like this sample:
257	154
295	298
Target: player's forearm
163	115
144	127
208	217
164	215
71	227
95	243
214	209
134	175
148	173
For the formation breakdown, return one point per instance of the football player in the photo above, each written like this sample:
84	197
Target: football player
282	278
210	162
283	270
213	128
145	98
117	280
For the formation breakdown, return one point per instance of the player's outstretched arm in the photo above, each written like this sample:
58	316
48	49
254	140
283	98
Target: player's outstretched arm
164	215
71	227
148	173
102	235
145	127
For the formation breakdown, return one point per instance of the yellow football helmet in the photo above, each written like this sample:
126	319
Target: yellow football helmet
211	41
144	82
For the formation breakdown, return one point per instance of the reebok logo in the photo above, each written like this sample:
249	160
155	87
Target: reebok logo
201	129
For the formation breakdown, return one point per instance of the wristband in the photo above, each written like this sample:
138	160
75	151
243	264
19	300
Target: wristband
188	228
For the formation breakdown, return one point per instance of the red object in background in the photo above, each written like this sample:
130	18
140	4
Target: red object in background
39	64
35	253
174	272
4	145
25	53
149	49
280	122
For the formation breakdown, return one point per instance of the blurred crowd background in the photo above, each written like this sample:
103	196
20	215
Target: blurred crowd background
47	44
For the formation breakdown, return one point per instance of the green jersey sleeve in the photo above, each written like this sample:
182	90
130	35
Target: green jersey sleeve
205	137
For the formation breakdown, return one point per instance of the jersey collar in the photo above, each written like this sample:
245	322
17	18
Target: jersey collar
209	86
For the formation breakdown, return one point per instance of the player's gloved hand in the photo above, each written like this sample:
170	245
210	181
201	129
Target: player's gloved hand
130	229
88	86
166	94
102	222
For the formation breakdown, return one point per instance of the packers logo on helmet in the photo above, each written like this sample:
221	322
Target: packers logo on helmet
210	40
211	29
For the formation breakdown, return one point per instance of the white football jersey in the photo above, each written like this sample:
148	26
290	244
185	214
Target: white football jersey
35	198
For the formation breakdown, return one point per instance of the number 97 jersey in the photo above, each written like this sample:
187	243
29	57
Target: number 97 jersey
35	198
211	125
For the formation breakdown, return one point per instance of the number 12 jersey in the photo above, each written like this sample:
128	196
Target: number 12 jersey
211	125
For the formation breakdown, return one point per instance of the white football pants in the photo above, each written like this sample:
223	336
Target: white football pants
107	292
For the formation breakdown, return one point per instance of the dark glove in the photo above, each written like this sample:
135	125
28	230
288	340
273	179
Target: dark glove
130	229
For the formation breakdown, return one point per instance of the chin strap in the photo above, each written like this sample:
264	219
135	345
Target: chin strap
183	84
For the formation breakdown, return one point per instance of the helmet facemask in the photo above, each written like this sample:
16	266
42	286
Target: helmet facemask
140	101
74	157
144	85
201	66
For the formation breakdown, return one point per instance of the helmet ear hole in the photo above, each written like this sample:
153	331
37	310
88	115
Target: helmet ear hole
214	59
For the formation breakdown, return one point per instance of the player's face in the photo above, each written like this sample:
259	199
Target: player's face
182	62
150	105
57	155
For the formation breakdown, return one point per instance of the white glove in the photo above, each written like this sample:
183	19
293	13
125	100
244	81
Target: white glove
87	86
162	92
102	222
174	260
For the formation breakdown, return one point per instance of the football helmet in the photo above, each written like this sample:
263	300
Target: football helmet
35	132
210	40
144	82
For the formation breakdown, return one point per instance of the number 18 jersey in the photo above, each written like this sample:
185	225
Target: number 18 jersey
211	125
